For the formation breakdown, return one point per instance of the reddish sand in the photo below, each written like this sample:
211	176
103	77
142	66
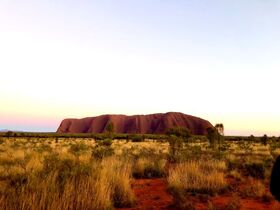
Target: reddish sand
221	202
152	194
144	124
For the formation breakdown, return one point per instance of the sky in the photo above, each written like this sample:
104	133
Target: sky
215	59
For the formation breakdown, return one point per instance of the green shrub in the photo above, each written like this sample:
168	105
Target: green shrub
175	148
43	148
102	152
102	149
136	138
64	169
78	149
106	142
179	132
215	139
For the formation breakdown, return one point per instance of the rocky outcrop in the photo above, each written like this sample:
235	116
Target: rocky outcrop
143	124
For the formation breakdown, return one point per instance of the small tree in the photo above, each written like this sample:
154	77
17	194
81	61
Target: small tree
252	138
220	128
264	139
211	135
110	128
102	149
9	134
176	138
179	132
215	138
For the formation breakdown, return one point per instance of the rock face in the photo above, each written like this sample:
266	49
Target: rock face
143	124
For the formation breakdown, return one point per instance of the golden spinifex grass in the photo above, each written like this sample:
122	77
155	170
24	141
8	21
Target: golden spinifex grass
69	183
117	174
198	176
145	167
254	188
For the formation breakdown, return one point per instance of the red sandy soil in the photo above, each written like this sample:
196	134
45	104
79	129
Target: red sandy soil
220	202
152	194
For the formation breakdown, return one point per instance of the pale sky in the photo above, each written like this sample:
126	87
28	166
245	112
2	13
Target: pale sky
215	59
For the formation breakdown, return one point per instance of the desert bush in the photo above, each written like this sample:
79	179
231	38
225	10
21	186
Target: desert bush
176	138
218	154
235	174
214	137
175	148
78	149
148	168
246	147
264	139
179	132
180	201
198	176
50	162
233	163
43	148
136	138
106	142
17	181
256	170
102	149
102	152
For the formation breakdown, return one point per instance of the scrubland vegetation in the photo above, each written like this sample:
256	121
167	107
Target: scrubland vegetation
58	172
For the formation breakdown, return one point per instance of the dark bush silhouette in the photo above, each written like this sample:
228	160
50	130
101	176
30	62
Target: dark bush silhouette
275	179
256	170
264	139
179	132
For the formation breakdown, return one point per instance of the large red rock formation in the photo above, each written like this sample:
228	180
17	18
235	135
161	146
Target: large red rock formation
144	124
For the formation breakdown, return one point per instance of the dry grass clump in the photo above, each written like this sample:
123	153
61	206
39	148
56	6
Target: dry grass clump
147	168
68	183
253	188
236	175
117	174
198	176
276	152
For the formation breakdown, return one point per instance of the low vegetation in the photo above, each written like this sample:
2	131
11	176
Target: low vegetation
98	171
67	183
